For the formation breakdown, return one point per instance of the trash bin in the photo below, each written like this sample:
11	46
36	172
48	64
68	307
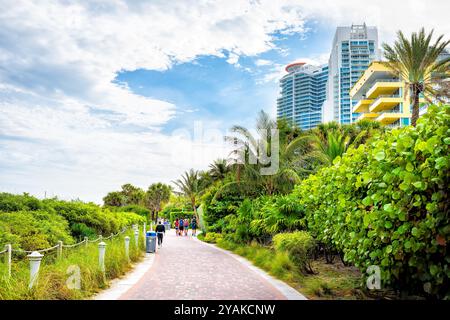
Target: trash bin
150	242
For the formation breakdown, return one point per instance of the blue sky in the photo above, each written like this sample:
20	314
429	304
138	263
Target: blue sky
211	88
101	93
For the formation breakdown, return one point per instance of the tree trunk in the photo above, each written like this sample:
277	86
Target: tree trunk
238	173
415	108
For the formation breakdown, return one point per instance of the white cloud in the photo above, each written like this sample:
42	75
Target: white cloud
389	16
68	128
263	62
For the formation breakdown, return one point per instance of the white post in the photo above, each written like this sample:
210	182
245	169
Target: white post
8	258
59	249
35	259
100	238
112	235
145	228
136	238
101	255
127	248
86	241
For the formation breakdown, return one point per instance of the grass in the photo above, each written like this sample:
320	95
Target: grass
55	274
330	281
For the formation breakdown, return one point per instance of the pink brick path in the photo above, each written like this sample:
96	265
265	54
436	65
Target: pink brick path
189	270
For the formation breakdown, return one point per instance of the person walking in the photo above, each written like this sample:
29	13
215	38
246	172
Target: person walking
181	226
177	225
160	231
194	227
186	227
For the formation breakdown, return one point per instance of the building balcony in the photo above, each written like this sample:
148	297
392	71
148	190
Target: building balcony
390	117
362	105
368	116
384	87
385	102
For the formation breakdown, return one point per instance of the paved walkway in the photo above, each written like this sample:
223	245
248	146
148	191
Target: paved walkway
186	268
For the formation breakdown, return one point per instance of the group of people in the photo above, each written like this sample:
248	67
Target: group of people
182	226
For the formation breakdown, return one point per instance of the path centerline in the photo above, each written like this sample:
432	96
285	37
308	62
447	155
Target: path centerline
187	269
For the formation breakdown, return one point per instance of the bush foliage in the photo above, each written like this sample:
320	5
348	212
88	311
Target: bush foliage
30	224
386	204
300	246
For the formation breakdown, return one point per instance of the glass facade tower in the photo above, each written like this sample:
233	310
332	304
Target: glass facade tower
354	48
303	92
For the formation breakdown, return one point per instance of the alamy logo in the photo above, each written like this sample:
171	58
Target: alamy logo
73	282
374	279
264	151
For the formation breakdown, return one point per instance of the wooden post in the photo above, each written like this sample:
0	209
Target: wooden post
127	248
8	259
145	228
59	249
86	241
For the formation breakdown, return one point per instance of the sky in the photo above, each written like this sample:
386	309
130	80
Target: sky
96	94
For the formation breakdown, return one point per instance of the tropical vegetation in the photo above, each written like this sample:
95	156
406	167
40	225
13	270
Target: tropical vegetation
30	224
416	61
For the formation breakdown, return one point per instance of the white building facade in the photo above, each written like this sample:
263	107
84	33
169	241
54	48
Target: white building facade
354	48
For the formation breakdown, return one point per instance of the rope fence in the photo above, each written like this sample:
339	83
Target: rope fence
35	256
74	245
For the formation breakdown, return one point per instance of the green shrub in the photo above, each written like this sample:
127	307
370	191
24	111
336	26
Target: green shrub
13	202
33	224
386	204
142	211
261	218
212	237
33	230
299	245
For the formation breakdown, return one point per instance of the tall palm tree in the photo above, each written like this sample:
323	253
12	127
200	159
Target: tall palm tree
416	62
190	186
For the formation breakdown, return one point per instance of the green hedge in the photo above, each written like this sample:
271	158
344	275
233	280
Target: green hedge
29	223
386	203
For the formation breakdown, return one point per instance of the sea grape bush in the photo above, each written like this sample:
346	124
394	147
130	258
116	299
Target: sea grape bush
386	203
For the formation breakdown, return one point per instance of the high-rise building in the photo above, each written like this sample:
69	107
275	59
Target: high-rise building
303	91
354	48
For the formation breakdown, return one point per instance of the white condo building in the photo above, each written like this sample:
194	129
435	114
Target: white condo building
354	48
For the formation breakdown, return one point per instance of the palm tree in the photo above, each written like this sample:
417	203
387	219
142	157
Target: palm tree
218	169
248	147
190	186
326	150
416	62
